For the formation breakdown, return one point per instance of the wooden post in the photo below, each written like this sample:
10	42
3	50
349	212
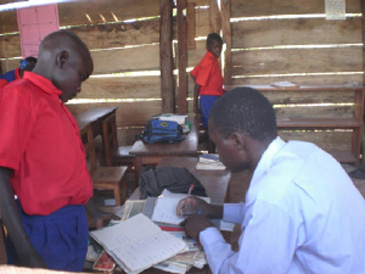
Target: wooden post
190	18
182	55
166	60
214	17
227	37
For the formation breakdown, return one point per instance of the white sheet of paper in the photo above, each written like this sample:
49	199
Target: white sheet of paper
165	208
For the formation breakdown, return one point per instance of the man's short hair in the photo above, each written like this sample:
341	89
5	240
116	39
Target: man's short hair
244	110
214	37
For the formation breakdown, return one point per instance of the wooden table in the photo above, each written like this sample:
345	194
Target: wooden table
215	183
152	154
94	117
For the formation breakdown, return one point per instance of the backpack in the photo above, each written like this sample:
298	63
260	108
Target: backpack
153	180
160	131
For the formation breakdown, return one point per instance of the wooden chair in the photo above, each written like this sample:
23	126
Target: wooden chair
114	154
104	178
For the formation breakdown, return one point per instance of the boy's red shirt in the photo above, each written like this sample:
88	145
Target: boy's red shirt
208	75
40	141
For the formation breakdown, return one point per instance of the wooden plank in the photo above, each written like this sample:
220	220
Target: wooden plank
167	82
121	87
296	32
190	18
201	22
327	140
285	97
77	13
130	59
248	8
99	37
127	135
194	56
314	112
297	61
119	34
309	80
128	114
182	56
214	17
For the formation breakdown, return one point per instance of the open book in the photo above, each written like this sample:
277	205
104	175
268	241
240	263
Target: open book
137	243
165	208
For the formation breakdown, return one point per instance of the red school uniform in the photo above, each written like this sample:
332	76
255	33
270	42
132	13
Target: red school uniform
208	75
40	141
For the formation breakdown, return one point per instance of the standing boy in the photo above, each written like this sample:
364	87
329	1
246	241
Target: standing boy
42	160
208	81
302	213
25	65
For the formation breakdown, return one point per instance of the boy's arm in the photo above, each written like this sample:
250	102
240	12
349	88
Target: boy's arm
10	217
196	96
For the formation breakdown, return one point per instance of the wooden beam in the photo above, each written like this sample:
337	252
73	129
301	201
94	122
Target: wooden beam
182	55
166	67
227	37
214	17
190	18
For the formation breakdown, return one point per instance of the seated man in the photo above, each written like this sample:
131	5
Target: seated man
302	213
25	65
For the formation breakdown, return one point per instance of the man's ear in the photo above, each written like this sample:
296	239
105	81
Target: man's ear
238	140
62	58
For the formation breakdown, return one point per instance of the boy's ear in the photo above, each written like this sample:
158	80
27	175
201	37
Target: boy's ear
62	58
237	140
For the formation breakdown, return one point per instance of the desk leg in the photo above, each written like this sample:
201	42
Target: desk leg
137	168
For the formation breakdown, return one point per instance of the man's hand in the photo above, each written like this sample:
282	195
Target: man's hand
190	206
195	224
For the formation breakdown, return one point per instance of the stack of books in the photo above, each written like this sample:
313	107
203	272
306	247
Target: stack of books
210	162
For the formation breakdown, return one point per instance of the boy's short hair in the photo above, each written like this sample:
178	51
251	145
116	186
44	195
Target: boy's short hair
214	37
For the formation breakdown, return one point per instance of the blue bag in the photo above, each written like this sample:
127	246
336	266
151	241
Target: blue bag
160	131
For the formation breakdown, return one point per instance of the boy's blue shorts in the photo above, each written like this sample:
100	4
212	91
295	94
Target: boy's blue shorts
206	103
60	238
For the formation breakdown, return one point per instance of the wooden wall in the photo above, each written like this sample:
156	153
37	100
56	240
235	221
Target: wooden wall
271	41
119	49
298	48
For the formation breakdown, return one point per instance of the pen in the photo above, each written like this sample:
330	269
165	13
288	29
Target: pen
190	190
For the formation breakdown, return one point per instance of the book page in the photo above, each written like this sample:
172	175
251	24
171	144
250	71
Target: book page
137	243
165	208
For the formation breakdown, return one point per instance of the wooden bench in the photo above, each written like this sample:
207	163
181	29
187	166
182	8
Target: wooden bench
329	116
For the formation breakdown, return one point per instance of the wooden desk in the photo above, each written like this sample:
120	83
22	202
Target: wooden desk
152	154
215	183
94	117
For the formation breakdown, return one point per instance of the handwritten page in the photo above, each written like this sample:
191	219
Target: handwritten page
165	208
137	243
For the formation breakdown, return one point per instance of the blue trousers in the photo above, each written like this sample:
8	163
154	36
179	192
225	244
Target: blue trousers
206	103
60	238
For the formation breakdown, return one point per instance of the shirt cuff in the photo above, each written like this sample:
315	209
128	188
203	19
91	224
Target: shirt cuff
210	235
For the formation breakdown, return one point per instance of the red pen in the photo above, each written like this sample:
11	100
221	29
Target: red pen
190	190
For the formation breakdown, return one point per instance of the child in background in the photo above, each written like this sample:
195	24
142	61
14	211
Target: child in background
25	65
208	82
